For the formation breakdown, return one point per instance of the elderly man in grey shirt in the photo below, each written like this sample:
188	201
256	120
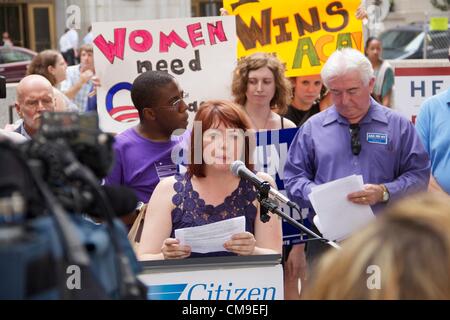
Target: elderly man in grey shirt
34	95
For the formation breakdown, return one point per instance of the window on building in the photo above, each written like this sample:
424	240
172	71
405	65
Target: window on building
206	8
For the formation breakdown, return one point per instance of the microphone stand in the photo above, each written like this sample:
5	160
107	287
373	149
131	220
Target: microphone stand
268	204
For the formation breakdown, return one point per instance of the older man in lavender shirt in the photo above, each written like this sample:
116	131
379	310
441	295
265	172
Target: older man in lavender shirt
355	136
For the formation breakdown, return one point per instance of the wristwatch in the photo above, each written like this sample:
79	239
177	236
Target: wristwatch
385	193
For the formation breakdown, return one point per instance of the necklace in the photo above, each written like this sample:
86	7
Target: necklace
264	127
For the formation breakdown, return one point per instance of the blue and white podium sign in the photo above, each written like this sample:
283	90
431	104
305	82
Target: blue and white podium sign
270	157
215	278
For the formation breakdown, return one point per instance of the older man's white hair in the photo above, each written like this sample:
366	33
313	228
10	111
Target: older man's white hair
344	61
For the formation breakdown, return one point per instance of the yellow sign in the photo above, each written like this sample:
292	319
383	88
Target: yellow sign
439	24
303	33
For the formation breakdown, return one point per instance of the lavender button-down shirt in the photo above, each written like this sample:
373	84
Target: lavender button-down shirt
321	152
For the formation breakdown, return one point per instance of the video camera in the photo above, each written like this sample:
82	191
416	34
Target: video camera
69	147
2	87
60	170
81	134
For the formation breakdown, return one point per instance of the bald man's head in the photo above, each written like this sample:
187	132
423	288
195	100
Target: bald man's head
34	95
32	82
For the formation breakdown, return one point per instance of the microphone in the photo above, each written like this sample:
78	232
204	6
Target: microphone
122	199
239	169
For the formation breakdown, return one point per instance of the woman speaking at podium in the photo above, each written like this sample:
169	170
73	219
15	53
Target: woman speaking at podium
209	192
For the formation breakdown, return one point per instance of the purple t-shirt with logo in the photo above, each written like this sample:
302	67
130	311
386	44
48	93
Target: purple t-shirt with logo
141	163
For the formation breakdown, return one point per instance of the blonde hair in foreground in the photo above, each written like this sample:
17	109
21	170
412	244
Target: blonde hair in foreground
409	244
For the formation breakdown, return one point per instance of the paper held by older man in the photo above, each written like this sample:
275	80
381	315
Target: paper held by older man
338	218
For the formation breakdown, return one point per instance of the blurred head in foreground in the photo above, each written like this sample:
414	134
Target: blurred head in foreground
405	254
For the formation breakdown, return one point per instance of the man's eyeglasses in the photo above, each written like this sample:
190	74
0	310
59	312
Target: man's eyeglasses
354	139
177	104
47	103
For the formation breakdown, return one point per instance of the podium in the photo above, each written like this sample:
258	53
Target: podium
215	278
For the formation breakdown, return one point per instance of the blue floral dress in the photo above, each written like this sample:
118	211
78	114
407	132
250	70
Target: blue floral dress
192	211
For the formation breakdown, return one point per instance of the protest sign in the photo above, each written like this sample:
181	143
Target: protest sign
303	34
199	52
270	157
414	84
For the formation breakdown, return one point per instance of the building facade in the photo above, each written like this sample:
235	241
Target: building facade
38	24
30	23
407	11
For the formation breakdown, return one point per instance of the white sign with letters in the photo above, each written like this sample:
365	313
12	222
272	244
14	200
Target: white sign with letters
232	283
414	84
199	52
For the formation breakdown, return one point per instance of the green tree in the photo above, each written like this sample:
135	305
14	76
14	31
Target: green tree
443	5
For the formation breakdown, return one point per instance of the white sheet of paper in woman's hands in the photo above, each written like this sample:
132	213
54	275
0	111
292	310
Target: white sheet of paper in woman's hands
210	237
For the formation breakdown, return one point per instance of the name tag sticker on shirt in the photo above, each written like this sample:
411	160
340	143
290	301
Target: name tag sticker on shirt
380	138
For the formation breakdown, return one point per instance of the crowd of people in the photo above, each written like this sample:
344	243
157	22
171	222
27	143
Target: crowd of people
74	84
335	113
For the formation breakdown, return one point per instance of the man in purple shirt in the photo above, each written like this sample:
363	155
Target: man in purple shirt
355	136
143	153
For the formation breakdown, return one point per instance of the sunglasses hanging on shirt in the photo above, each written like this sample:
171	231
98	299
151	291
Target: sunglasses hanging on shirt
354	139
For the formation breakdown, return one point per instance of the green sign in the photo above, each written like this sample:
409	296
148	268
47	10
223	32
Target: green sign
439	24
